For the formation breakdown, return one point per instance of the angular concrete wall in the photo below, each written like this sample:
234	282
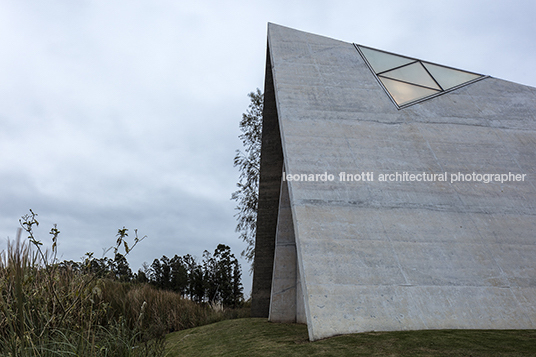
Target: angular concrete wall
286	298
377	255
269	186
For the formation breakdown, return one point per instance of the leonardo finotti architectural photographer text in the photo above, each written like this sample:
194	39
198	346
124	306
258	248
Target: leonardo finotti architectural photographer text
407	177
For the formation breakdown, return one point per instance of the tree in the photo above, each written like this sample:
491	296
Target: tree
96	266
141	277
237	294
120	268
179	275
156	274
248	162
222	277
195	287
211	281
143	274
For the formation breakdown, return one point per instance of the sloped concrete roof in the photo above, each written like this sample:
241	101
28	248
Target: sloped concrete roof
353	256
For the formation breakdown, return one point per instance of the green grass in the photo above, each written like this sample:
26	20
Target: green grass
258	337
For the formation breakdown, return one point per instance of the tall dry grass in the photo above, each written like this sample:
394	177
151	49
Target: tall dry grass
50	310
158	312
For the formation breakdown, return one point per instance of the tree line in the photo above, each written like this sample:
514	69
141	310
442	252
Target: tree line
217	278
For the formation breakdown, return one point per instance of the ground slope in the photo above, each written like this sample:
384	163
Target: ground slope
258	337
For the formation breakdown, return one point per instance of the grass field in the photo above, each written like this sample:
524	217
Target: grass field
258	337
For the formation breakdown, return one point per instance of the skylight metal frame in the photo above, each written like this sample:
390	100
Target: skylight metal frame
381	74
414	60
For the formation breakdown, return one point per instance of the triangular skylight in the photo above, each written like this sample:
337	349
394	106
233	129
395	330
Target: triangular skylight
381	61
409	80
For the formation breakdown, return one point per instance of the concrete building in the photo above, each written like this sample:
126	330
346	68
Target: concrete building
395	194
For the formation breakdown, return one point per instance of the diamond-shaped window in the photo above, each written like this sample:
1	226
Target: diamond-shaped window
409	80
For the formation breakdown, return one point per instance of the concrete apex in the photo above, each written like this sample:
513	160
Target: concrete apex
353	254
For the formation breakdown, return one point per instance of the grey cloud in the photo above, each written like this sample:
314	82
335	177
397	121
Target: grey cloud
126	114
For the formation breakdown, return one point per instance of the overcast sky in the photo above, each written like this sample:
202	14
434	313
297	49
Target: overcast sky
125	113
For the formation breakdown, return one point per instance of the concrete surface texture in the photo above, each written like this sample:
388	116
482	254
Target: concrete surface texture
446	240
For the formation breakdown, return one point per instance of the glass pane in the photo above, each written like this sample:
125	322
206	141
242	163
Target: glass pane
381	61
404	93
414	73
448	77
